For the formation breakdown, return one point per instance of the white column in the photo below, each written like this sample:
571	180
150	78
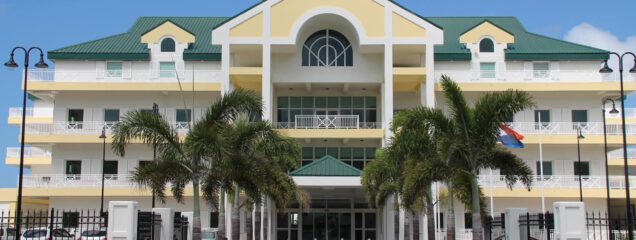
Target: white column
569	221
262	235
401	221
269	219
226	86
266	90
387	85
389	216
242	224
125	214
430	75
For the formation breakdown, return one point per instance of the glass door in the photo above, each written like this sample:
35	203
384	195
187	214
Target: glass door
326	226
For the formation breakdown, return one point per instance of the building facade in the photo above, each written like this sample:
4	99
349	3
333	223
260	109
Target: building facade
332	74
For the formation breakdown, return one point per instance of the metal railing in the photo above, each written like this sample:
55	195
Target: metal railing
531	76
31	112
53	75
569	128
560	182
79	128
77	181
14	152
327	121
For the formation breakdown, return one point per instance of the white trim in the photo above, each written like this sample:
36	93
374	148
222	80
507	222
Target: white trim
327	181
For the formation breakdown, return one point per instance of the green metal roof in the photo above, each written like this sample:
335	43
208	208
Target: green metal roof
327	166
128	46
527	46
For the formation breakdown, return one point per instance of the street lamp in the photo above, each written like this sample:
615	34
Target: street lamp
155	111
607	186
579	136
103	138
12	64
607	69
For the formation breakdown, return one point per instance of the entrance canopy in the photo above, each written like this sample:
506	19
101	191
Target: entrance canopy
327	166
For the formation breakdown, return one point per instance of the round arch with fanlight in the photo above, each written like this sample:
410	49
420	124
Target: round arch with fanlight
327	48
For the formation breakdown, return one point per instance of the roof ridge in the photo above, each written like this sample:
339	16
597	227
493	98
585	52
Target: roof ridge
471	17
326	158
568	42
91	41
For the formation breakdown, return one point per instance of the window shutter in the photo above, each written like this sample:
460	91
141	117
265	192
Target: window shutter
554	71
476	70
126	69
528	70
500	69
100	69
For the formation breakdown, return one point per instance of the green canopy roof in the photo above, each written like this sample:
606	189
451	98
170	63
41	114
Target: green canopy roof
527	46
327	166
128	46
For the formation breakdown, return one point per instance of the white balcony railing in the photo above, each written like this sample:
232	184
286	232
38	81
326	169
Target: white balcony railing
569	128
77	181
327	122
53	75
80	128
531	76
16	112
14	152
560	182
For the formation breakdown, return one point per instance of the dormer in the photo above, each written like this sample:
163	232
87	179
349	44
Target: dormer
166	43
487	43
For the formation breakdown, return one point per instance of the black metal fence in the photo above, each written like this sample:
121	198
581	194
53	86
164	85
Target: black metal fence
148	226
601	227
54	224
494	228
536	226
180	227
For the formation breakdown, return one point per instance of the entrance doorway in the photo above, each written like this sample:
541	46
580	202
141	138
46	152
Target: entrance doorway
326	226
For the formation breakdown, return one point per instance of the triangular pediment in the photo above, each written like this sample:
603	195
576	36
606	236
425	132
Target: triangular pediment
327	166
168	28
486	29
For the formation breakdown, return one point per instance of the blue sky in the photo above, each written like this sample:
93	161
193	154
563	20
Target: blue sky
55	24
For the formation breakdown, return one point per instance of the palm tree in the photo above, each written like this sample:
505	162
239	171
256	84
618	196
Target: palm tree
470	139
181	161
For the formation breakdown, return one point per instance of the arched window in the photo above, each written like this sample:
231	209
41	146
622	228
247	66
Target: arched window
168	45
486	45
327	48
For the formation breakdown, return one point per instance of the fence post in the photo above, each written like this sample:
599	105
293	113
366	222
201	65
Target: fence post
569	221
512	226
546	224
122	220
167	222
528	224
189	216
51	217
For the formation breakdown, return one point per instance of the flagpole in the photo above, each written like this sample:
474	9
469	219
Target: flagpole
492	201
541	164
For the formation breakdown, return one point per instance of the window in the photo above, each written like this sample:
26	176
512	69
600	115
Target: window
113	69
75	115
542	116
167	70
168	45
357	157
184	115
468	220
143	163
487	70
510	118
327	48
110	167
214	219
365	107
73	168
111	115
579	118
69	220
584	168
541	70
486	45
547	168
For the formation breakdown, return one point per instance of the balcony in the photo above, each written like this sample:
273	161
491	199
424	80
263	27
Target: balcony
77	181
53	80
565	132
330	126
560	80
32	156
77	132
615	158
557	186
34	115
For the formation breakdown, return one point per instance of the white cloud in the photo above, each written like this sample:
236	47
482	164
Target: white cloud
590	35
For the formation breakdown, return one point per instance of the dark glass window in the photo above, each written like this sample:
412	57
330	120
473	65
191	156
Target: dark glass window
75	115
111	115
486	45
168	45
468	220
184	115
547	168
73	167
142	164
327	48
584	168
110	167
579	116
214	219
545	118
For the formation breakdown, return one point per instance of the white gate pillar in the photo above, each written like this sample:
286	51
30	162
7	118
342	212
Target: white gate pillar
167	223
190	218
569	221
122	220
512	222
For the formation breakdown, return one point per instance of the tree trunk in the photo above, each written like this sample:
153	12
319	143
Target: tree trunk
196	211
430	216
249	227
476	208
236	216
221	228
450	214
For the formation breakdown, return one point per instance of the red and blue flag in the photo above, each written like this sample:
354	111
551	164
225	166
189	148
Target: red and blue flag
510	138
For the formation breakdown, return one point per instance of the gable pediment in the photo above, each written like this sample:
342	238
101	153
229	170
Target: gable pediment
486	29
168	28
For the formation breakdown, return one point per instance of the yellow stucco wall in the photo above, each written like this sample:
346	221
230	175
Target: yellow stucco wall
369	13
333	133
168	28
106	86
403	27
486	29
29	161
542	87
252	27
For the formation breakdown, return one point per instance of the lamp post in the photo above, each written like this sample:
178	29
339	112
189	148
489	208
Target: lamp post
579	136
607	186
155	110
607	69
12	64
103	138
